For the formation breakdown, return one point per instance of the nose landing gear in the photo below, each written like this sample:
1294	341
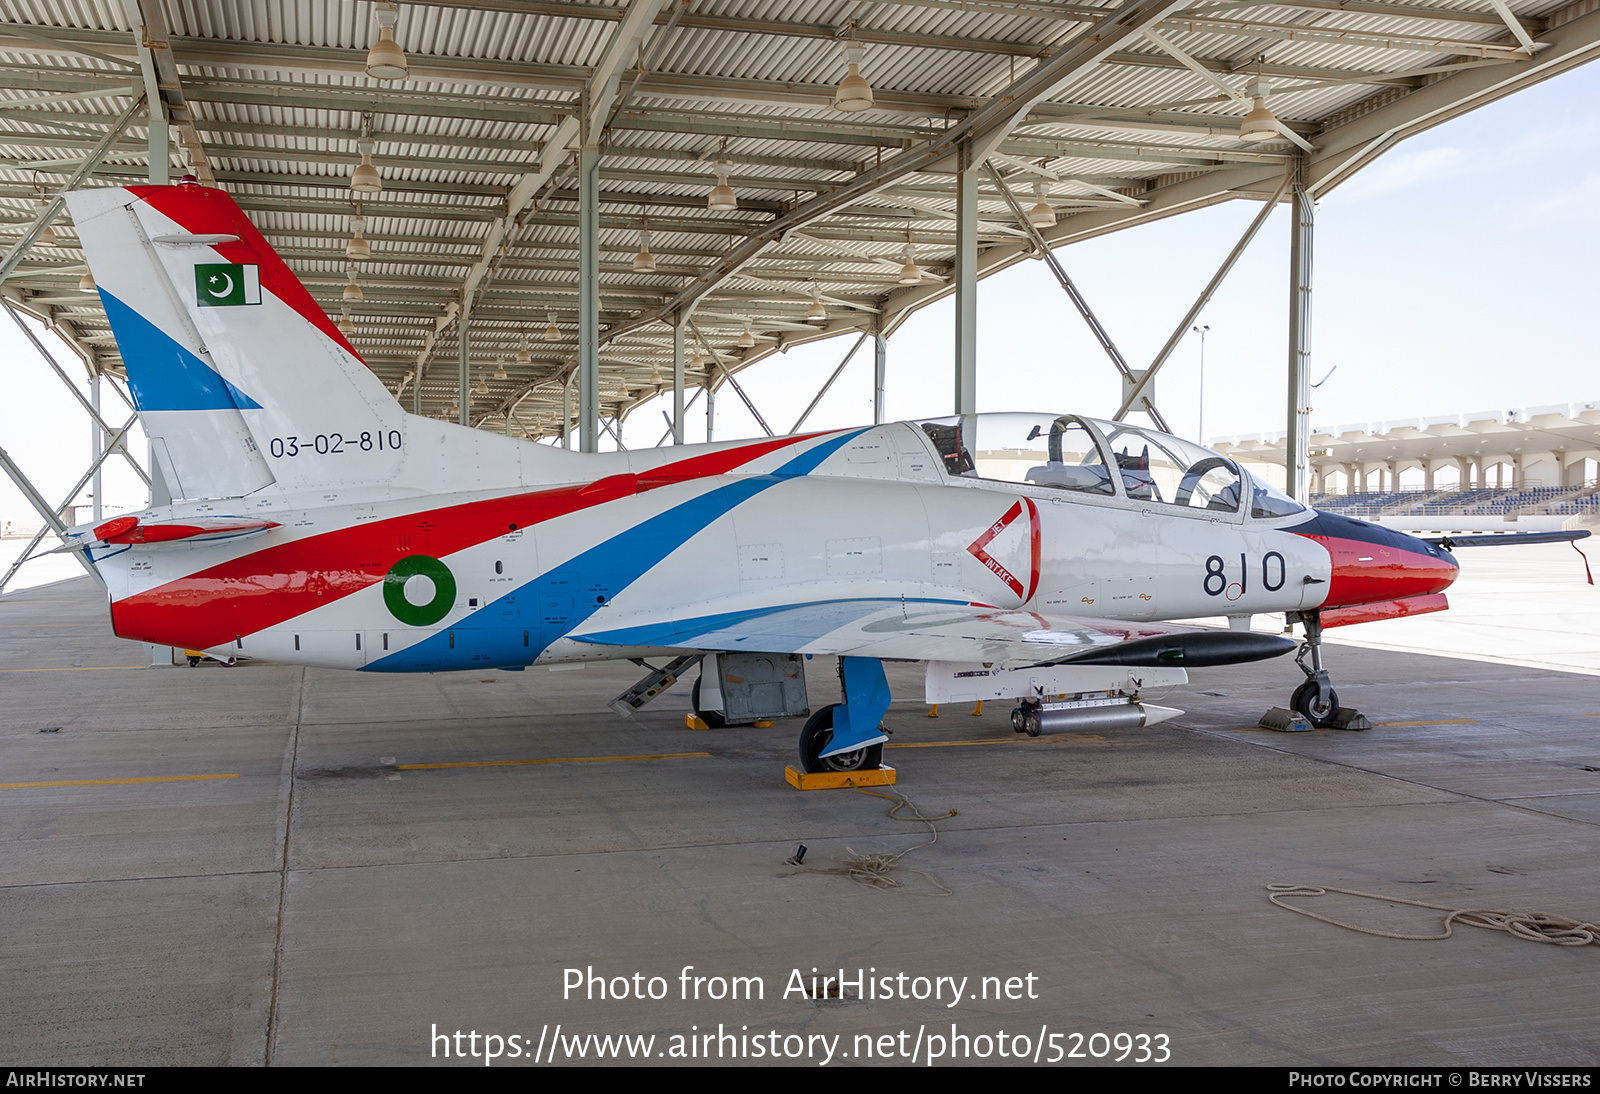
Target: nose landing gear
1315	700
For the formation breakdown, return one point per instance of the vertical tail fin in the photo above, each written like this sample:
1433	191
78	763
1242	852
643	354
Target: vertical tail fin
241	380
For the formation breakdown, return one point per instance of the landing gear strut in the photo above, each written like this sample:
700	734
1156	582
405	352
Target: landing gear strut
1315	699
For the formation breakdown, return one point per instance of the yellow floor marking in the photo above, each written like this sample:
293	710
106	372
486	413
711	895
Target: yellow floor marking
79	668
1439	722
554	760
118	782
996	741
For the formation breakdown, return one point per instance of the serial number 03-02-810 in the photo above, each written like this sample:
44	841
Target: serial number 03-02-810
330	444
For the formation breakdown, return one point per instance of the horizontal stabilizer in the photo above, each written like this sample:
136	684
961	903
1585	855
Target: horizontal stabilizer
133	530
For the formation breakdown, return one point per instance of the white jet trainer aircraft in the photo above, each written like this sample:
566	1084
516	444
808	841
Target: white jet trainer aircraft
1020	556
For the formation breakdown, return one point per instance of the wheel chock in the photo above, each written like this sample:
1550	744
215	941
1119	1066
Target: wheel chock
839	780
691	722
1350	718
933	711
1284	721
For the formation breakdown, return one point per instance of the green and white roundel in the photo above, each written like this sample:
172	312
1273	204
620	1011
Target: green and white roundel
406	608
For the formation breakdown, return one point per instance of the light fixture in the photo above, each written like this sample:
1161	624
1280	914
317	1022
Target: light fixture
365	178
854	92
523	356
644	261
482	386
746	339
386	60
86	283
816	313
500	369
910	273
655	374
722	195
552	333
347	325
352	288
357	249
48	236
1260	124
453	412
698	360
1041	215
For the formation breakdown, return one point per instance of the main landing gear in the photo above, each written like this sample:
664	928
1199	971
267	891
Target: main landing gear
1315	700
849	736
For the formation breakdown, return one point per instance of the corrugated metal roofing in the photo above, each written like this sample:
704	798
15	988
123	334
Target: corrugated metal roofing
275	93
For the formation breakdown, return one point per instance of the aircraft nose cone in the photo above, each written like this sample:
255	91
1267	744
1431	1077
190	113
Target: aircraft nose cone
1372	563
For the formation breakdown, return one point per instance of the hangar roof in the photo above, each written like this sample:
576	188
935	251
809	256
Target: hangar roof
1117	112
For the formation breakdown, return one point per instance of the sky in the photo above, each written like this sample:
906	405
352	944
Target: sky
1456	273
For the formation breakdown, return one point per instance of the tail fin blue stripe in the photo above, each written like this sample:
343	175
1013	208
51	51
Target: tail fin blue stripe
163	374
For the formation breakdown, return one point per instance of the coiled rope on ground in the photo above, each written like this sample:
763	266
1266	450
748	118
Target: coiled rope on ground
1532	926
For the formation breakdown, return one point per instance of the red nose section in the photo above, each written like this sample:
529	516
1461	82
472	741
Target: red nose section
1366	572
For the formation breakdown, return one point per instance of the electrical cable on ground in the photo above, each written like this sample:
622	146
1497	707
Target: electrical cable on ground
873	869
1533	926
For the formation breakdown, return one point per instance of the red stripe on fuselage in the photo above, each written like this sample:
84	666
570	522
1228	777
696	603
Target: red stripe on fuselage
204	211
262	589
1365	572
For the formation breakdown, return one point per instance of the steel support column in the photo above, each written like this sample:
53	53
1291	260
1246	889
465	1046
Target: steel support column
97	444
589	287
711	402
880	353
463	381
966	393
1297	441
677	381
566	415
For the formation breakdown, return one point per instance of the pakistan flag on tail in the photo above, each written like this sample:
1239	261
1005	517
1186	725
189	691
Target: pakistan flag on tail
226	284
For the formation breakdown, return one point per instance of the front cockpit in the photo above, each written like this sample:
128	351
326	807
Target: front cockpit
1093	457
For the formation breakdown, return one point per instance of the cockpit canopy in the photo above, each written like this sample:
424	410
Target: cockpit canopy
1091	456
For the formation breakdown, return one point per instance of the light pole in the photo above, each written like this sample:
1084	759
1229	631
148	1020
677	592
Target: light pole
1201	331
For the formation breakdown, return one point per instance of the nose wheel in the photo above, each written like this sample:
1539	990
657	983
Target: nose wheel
818	735
1315	700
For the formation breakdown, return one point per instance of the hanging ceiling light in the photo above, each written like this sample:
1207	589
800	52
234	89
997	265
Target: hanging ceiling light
86	283
347	325
552	333
854	92
352	288
482	386
523	356
386	60
644	261
746	339
655	374
910	273
816	313
357	249
365	178
500	369
1260	124
722	195
48	236
453	412
698	360
1041	215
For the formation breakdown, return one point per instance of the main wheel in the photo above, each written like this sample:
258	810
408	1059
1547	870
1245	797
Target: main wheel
713	718
818	734
1319	714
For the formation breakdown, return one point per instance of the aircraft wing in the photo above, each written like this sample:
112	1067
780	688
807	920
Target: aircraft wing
939	631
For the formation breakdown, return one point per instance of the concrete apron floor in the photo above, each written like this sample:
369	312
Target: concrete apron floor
325	904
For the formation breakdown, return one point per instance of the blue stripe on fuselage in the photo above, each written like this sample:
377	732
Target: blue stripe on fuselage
483	640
